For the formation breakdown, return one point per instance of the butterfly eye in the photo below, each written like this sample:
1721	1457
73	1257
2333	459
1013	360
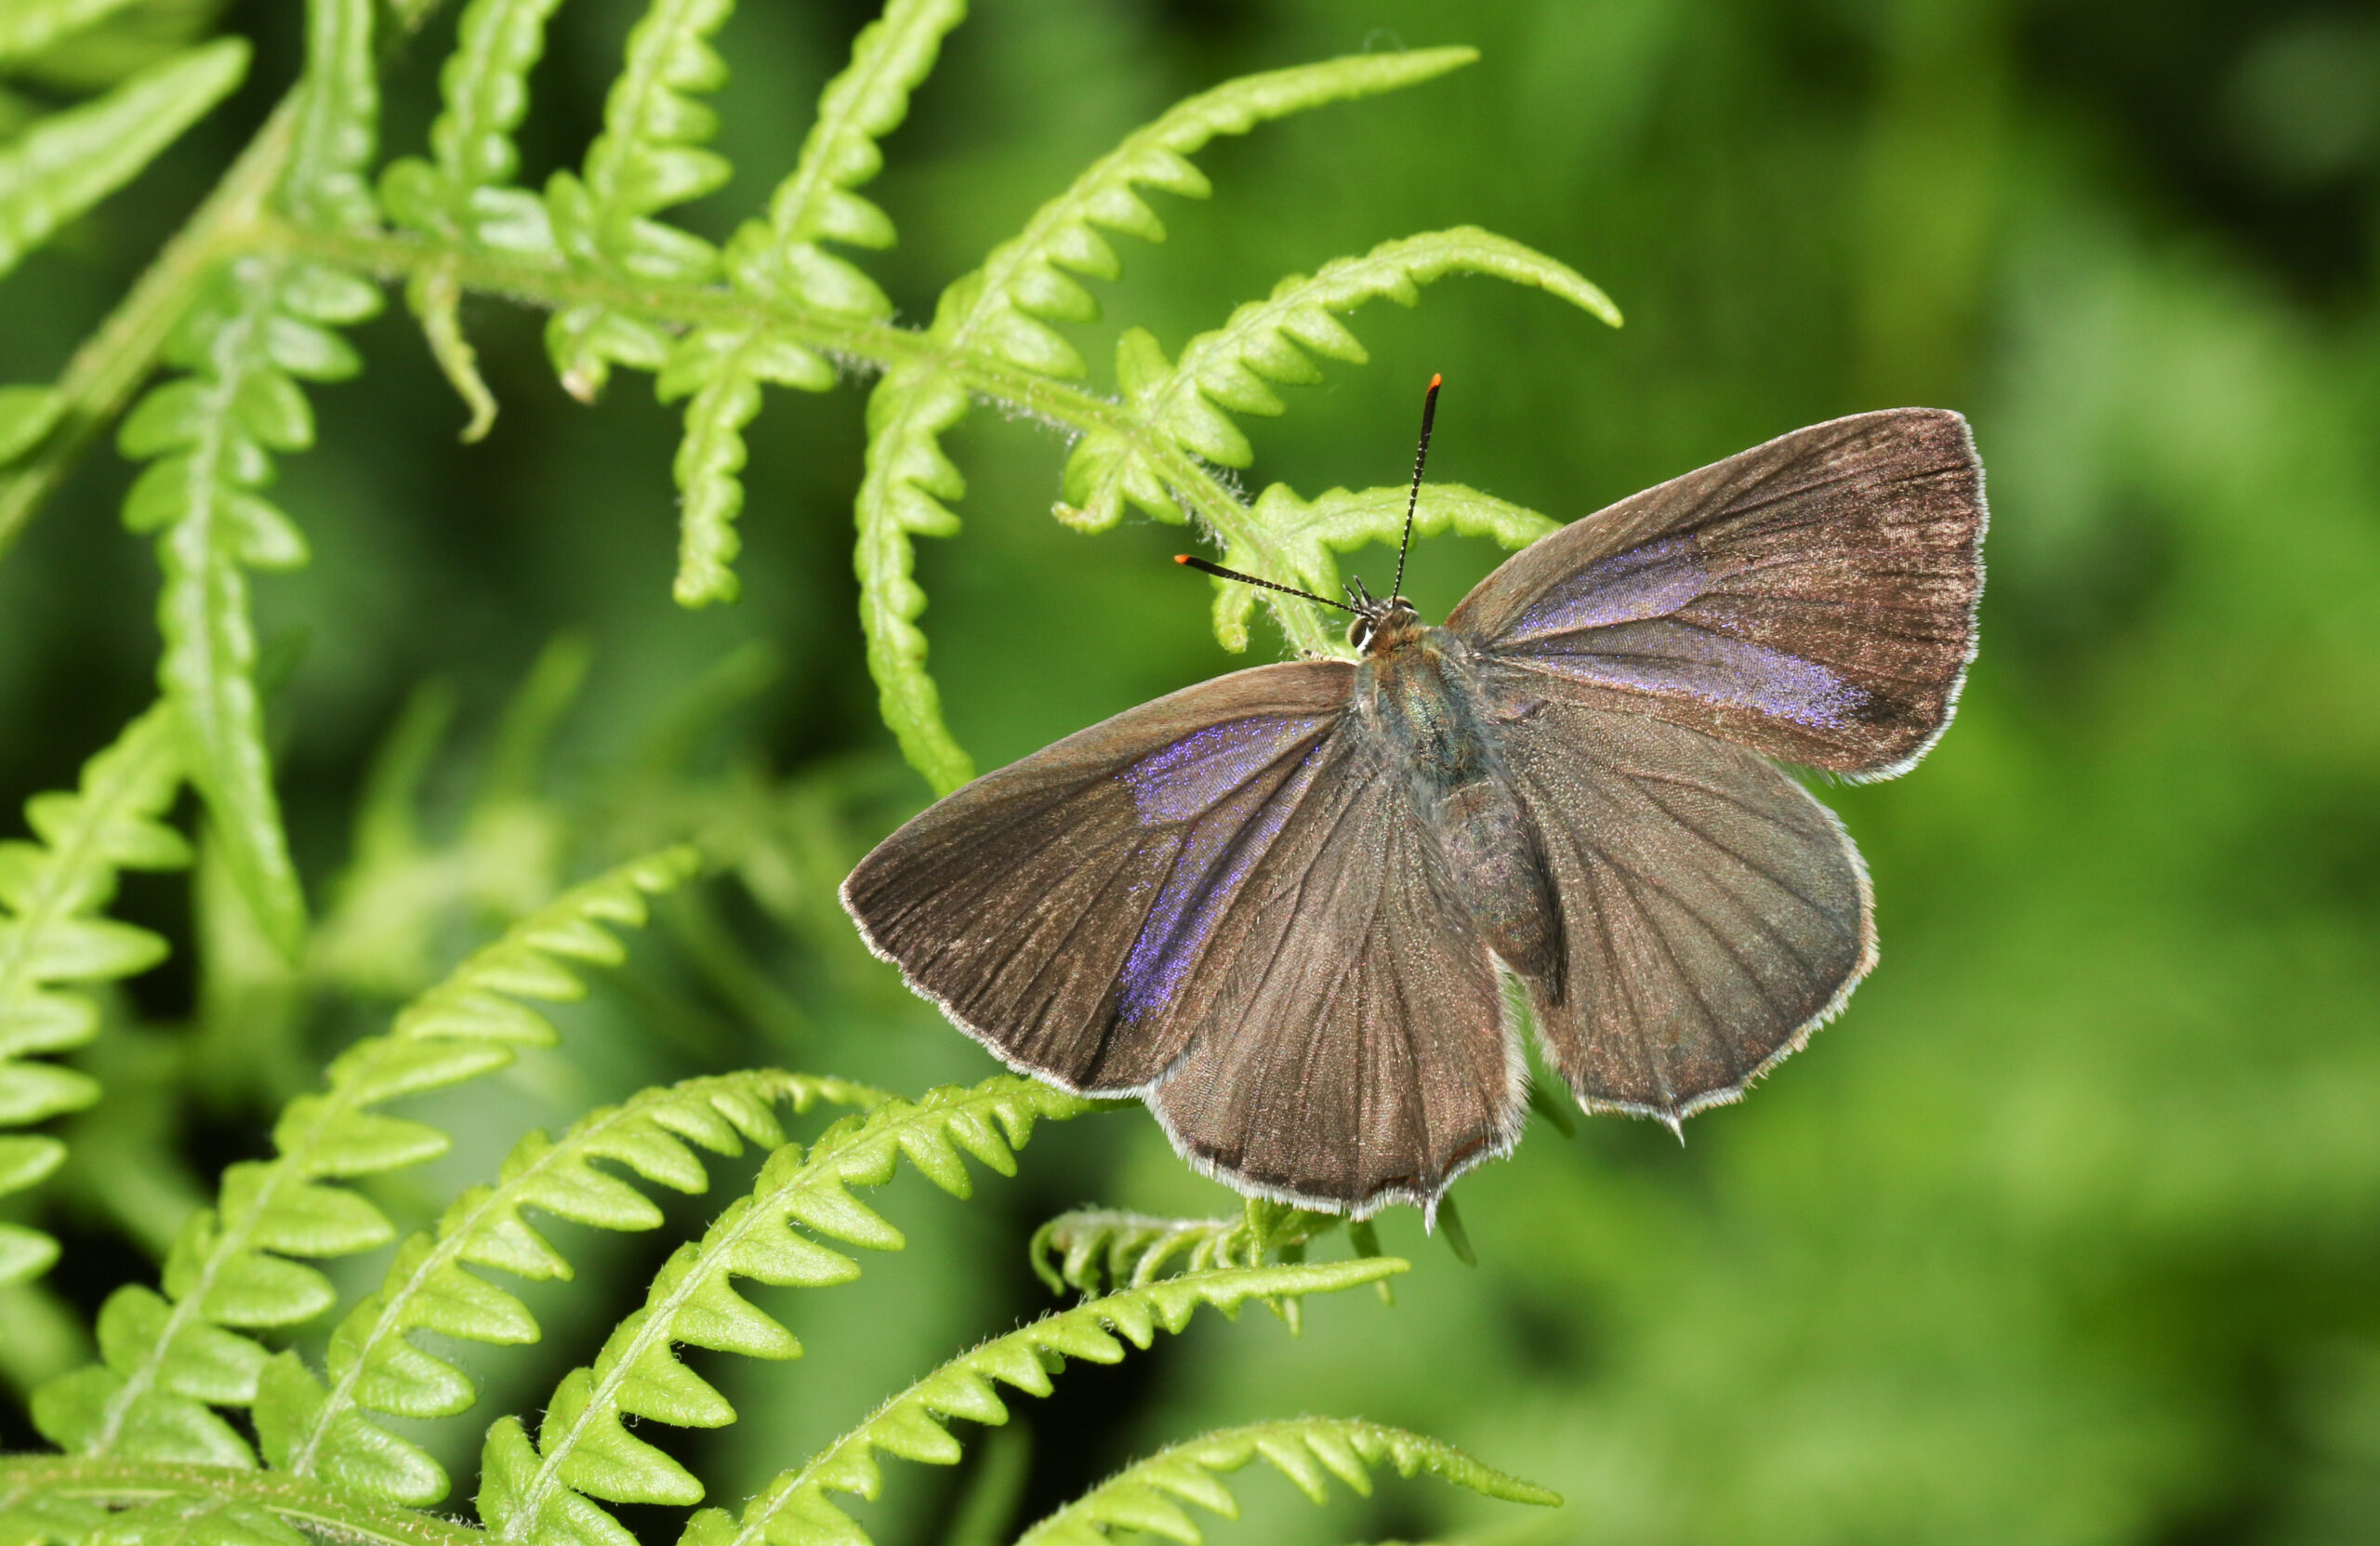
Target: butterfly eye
1359	633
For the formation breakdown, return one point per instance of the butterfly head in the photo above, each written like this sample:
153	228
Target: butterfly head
1381	622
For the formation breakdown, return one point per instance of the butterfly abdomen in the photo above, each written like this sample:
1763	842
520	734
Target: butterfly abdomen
1424	705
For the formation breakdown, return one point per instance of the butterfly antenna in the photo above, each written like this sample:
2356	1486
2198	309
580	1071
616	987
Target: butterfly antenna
1429	413
1220	572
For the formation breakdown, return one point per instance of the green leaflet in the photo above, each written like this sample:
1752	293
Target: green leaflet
724	372
784	256
782	261
797	1508
1299	538
541	1491
50	892
317	1426
484	89
649	157
1091	1248
1003	310
27	414
1148	1495
166	1359
29	26
435	296
264	326
902	493
69	161
338	116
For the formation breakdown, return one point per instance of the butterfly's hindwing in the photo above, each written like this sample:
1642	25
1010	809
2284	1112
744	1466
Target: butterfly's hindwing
1714	912
1352	1049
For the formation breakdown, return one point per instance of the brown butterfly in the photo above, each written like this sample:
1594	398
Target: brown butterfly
1299	909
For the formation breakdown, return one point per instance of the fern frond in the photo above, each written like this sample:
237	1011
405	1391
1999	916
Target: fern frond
1299	538
1091	1248
1004	310
544	1490
29	26
168	1358
797	1508
1006	305
464	194
722	371
1148	1495
49	890
483	90
69	161
265	326
312	1426
785	256
906	491
783	259
650	156
213	434
1234	369
338	118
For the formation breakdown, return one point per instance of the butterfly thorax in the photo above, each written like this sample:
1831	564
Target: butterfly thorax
1419	696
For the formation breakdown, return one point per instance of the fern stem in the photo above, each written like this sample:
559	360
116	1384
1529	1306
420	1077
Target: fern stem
330	1512
113	363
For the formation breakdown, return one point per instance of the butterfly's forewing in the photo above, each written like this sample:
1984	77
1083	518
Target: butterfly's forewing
1713	912
1813	598
1354	1051
1054	908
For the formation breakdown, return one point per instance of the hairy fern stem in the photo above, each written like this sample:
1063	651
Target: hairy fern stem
334	1512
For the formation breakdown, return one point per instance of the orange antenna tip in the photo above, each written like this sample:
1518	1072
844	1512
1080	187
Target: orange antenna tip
1434	380
1181	558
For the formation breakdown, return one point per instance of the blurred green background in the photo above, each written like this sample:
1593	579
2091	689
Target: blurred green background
2069	1231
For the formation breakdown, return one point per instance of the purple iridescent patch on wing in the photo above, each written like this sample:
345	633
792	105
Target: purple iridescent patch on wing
1188	776
1664	656
1217	854
1652	580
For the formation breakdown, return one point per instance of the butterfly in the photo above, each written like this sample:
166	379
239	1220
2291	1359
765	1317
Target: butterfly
1306	911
